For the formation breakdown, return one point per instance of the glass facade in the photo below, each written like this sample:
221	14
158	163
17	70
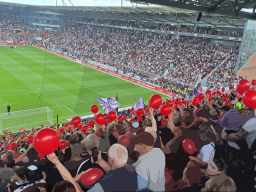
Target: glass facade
248	45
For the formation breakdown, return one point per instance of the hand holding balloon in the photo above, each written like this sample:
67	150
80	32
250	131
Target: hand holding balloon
53	158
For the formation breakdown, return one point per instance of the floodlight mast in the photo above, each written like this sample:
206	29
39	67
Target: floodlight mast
63	3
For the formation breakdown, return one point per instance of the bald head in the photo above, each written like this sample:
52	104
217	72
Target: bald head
118	155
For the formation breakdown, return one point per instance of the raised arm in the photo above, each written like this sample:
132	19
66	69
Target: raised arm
170	123
63	171
96	124
23	154
102	163
74	132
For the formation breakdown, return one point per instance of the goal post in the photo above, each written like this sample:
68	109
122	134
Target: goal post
26	118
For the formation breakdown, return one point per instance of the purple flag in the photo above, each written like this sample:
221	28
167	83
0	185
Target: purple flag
108	104
196	92
139	104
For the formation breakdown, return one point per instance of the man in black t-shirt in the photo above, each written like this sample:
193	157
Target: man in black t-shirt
8	109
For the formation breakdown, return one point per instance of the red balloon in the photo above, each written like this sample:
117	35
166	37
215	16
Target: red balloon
98	133
226	103
91	176
76	121
147	110
208	92
219	93
200	96
222	89
214	93
231	87
225	95
61	130
94	109
1	144
66	125
132	120
84	129
249	98
189	146
238	96
100	119
80	126
120	118
111	116
108	121
132	109
224	98
155	101
253	82
69	128
139	112
166	110
195	102
124	117
169	102
70	123
13	145
63	144
139	118
40	156
210	99
196	99
46	141
8	147
242	86
91	123
30	139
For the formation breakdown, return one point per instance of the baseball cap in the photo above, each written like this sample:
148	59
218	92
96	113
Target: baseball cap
143	138
135	124
224	108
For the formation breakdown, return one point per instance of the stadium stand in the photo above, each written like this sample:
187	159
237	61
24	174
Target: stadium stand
207	144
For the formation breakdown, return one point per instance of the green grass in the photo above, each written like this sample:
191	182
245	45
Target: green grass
33	78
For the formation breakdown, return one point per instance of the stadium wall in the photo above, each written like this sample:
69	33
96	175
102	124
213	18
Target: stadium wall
13	44
123	77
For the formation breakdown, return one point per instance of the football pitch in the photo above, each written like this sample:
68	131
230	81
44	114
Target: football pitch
32	78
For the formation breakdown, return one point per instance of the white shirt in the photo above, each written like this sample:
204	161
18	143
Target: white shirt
150	168
250	126
207	153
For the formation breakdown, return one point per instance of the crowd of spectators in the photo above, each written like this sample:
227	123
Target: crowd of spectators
186	57
183	28
209	147
14	30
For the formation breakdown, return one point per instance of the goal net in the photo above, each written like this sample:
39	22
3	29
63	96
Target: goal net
26	118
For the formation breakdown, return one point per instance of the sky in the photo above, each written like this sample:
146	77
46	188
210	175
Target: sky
75	2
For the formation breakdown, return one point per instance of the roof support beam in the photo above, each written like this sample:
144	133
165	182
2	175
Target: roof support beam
239	9
216	4
245	4
191	6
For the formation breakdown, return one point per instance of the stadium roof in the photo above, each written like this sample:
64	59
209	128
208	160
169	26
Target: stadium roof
157	14
221	7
